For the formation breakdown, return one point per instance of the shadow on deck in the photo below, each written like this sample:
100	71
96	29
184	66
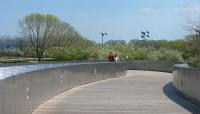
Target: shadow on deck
170	93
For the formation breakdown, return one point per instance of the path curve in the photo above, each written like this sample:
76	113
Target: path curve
140	92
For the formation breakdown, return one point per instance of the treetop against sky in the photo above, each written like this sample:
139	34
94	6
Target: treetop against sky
121	19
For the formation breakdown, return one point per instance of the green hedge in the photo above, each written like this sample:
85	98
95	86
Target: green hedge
168	55
69	54
101	53
194	62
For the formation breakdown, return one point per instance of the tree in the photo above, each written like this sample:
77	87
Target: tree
194	28
63	30
38	28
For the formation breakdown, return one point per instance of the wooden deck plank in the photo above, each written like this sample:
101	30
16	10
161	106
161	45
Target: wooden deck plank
141	92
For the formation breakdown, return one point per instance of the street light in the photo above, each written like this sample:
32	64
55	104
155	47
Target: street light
145	35
197	32
102	35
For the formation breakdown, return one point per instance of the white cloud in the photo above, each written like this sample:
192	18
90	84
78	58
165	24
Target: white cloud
192	7
154	11
184	8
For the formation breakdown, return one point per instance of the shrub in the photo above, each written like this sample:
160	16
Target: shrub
70	55
134	53
169	55
11	53
194	62
100	53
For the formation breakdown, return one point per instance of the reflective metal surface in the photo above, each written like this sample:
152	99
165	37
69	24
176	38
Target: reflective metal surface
186	82
151	65
22	94
24	88
8	86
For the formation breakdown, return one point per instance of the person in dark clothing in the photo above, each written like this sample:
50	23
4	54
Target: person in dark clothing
111	57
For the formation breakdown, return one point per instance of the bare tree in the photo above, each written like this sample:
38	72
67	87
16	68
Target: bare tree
38	28
66	36
62	32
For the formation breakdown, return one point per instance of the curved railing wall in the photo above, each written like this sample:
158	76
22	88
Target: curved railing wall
150	65
24	88
186	82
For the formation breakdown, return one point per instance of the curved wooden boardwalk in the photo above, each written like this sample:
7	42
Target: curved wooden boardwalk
141	92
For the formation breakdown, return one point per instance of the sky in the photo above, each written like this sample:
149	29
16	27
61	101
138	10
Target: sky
120	19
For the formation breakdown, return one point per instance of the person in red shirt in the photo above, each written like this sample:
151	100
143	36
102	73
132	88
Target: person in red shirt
111	57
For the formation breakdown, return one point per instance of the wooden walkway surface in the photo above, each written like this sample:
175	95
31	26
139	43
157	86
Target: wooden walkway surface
140	92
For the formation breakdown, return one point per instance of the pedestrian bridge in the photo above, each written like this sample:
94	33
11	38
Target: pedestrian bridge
140	92
139	87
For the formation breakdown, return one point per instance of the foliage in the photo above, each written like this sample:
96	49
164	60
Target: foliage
13	61
115	42
44	30
122	51
38	28
99	52
168	55
11	53
194	62
73	54
135	53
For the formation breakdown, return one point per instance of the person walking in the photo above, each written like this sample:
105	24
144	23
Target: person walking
111	57
116	58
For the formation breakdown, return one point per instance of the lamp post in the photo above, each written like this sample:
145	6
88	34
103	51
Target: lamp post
144	36
197	32
102	36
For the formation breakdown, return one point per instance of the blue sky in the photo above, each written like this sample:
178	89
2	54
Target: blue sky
121	19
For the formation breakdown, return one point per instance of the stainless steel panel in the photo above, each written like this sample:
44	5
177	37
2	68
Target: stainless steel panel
186	81
77	75
105	71
1	97
9	95
151	65
22	93
24	88
56	80
41	87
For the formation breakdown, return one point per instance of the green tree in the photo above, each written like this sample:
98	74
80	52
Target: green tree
194	28
38	28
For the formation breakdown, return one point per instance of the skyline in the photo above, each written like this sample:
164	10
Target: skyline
121	20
